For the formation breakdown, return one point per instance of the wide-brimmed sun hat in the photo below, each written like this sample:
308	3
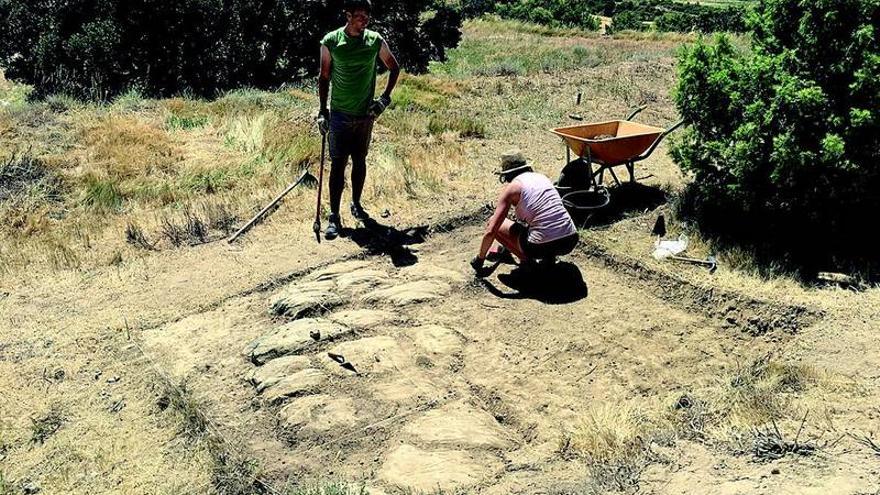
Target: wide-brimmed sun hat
513	161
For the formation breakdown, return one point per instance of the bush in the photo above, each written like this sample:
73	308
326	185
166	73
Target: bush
784	140
669	15
100	48
556	13
627	20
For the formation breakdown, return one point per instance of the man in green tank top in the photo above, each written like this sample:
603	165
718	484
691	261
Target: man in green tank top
349	57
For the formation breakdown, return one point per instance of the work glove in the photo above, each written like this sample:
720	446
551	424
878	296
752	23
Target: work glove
379	105
323	121
482	271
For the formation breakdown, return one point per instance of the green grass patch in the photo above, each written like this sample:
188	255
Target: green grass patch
518	56
12	93
6	487
185	123
464	126
335	488
101	194
46	425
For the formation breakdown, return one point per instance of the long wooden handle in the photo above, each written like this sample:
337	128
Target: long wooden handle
262	212
317	225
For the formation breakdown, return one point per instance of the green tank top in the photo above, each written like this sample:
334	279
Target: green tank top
353	76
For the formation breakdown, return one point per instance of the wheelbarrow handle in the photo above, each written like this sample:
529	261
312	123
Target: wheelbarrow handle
653	147
637	111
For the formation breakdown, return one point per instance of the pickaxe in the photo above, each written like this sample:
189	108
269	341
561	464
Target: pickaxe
709	262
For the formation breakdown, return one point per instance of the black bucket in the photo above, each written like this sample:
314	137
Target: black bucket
583	204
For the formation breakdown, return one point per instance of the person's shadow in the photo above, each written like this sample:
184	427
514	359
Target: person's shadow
378	239
561	283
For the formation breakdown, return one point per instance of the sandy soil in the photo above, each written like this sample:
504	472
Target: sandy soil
414	378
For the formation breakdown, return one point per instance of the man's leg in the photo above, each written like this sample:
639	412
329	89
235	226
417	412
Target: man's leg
360	148
358	178
340	137
337	182
508	236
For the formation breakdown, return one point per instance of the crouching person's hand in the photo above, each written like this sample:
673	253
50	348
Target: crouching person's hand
480	268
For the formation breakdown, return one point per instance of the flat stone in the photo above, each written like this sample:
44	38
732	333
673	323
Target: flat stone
363	319
407	389
361	280
410	293
319	413
275	370
424	272
435	339
410	468
299	383
460	426
332	272
294	338
372	355
304	300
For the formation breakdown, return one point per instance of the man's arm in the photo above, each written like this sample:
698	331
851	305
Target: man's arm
393	67
505	200
324	77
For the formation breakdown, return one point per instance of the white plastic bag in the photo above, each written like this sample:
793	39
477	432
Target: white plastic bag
665	249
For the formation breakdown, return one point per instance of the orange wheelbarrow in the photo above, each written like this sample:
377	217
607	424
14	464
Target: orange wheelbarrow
610	144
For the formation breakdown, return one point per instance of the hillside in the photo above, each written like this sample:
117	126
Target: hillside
140	353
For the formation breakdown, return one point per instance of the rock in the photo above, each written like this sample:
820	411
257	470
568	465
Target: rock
410	468
434	339
299	383
372	355
294	338
409	389
31	488
459	426
275	370
410	293
363	319
319	413
304	300
332	272
424	272
361	280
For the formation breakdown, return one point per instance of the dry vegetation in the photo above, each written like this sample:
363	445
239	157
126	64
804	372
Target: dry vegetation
88	191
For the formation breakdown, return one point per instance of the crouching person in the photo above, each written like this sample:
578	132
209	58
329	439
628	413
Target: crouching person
543	230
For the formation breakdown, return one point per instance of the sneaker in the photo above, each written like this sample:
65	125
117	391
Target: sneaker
357	211
332	231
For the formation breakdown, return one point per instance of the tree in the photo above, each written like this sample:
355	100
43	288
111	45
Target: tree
100	48
570	13
783	140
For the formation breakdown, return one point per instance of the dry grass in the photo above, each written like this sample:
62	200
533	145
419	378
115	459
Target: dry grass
122	147
739	413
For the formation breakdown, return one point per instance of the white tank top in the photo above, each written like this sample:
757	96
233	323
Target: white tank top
540	206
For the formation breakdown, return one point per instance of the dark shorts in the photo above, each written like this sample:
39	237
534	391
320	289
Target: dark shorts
349	136
557	247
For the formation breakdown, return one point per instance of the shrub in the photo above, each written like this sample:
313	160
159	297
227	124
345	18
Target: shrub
784	140
669	15
573	13
101	48
627	20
